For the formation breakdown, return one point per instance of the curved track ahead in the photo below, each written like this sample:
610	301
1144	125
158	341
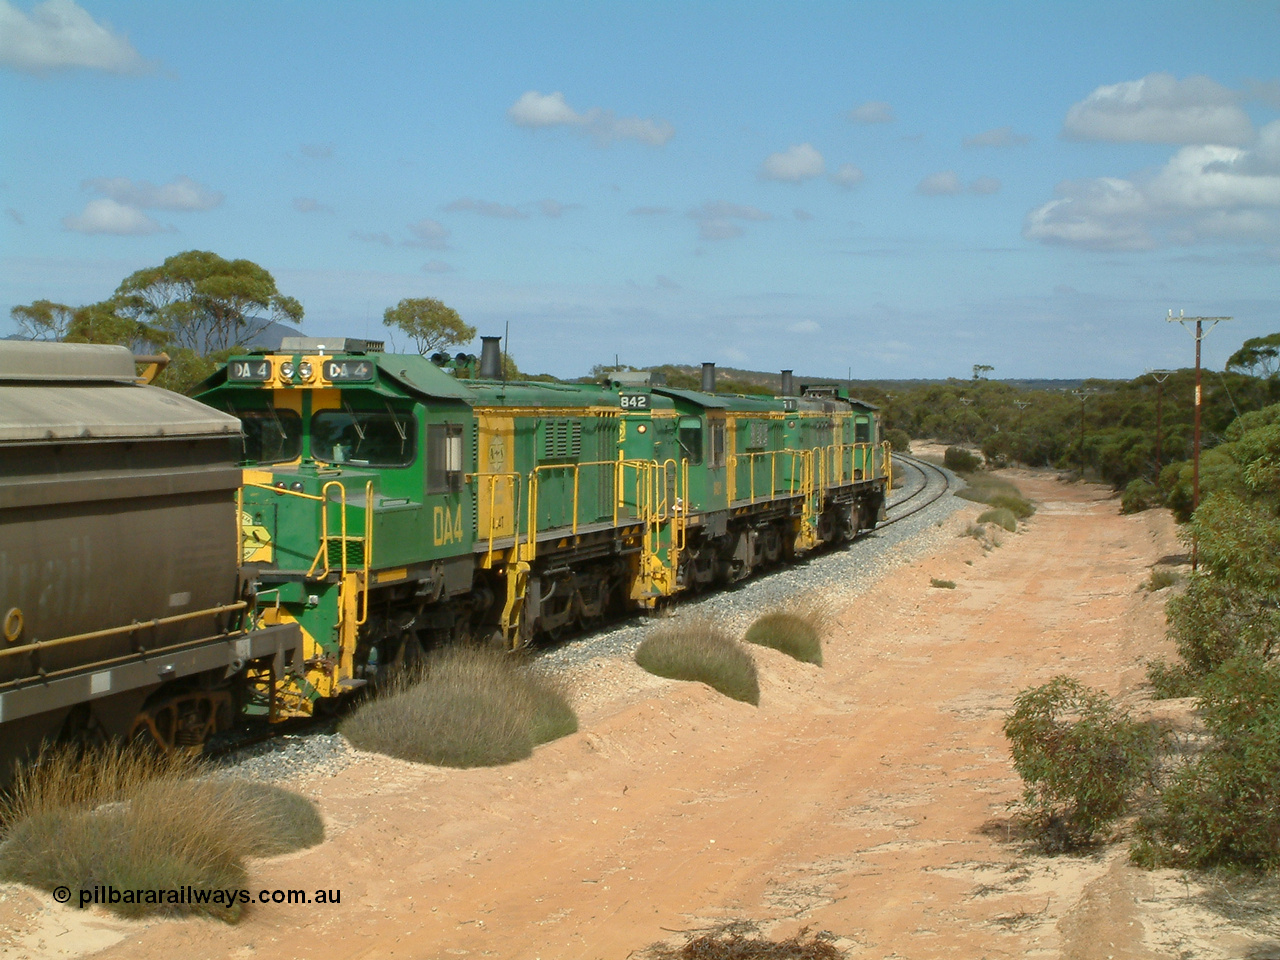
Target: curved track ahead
923	484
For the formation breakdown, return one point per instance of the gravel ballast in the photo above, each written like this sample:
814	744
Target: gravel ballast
840	575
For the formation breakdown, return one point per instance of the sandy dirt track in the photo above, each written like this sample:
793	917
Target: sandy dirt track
864	798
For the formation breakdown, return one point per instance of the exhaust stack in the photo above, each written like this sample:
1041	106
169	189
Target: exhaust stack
788	386
490	358
708	378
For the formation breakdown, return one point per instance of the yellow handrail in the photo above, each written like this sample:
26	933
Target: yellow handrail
36	646
285	490
493	478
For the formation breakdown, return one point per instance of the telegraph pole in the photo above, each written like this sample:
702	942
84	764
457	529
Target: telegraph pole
1159	376
1083	395
1021	405
1200	333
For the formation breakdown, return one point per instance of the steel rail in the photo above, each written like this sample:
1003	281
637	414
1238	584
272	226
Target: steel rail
934	484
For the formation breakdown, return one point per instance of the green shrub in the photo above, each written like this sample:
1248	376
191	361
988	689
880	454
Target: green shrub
899	440
1139	495
796	628
133	820
1080	759
1215	620
469	707
961	460
1170	682
942	584
1223	809
1161	577
699	650
1001	517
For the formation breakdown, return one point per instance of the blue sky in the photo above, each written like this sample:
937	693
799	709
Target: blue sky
896	189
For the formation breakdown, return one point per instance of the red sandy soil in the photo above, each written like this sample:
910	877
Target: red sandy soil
869	798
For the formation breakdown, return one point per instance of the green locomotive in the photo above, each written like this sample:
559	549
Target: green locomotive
391	502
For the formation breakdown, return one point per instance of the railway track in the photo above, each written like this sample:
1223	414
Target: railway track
923	484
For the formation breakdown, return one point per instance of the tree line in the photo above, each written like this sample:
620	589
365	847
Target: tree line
199	308
1134	435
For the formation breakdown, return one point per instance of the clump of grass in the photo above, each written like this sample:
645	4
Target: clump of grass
796	628
942	584
1161	577
699	650
283	821
1019	507
134	820
996	492
742	941
1000	517
468	707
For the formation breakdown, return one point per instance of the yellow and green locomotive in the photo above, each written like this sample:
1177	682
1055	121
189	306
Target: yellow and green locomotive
393	502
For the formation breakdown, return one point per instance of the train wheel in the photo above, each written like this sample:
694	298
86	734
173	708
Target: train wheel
184	721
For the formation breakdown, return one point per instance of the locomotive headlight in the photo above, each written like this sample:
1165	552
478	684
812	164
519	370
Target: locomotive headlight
642	429
304	368
286	370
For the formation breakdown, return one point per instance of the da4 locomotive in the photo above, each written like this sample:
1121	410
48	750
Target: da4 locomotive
393	502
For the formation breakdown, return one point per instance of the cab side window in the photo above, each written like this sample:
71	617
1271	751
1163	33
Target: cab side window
444	456
717	443
691	439
862	430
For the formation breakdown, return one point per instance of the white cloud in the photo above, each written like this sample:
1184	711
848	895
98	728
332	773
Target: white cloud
317	151
535	110
847	176
944	183
873	111
804	326
310	205
105	215
718	219
429	233
182	193
794	165
554	208
1100	214
382	239
985	186
486	208
436	266
57	35
1264	91
1201	193
1160	109
999	137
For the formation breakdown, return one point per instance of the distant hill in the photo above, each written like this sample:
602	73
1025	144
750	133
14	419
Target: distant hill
773	381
